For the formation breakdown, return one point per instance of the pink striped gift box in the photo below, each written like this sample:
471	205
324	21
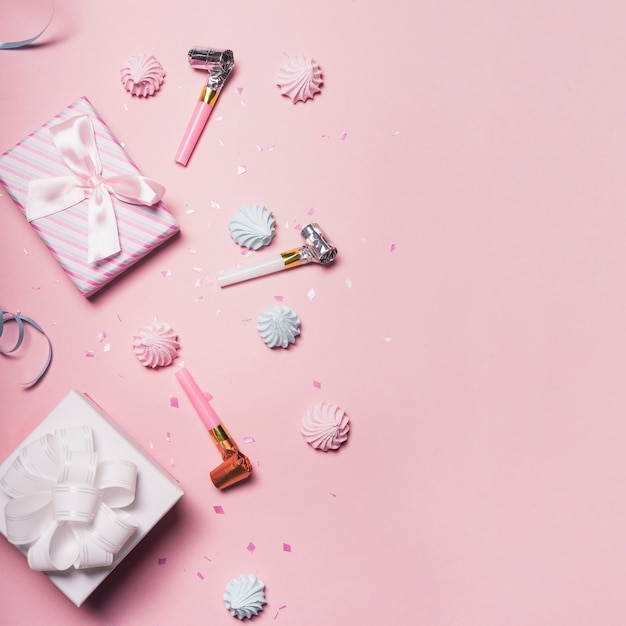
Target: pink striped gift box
141	229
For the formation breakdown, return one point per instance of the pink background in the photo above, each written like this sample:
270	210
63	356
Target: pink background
467	159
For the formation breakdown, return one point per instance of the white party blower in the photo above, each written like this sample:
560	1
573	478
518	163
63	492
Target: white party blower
318	249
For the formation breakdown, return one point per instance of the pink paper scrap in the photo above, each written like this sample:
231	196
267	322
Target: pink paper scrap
174	401
218	509
250	547
162	560
286	547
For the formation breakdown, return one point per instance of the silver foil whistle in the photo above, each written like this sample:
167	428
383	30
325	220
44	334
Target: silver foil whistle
317	249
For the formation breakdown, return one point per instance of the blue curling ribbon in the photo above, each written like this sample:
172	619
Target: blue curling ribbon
20	320
8	45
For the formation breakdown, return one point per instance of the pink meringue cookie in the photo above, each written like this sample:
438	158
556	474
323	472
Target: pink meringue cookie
142	75
300	78
325	426
156	345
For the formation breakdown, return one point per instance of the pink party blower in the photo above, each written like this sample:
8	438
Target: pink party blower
219	64
235	465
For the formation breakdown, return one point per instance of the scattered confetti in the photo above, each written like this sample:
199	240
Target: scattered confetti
218	509
196	269
343	135
215	205
172	463
26	252
238	90
168	436
174	401
311	295
348	283
102	336
286	547
207	395
241	170
317	384
162	560
189	211
166	273
150	445
198	299
280	608
250	547
200	576
311	211
198	282
387	339
89	353
107	347
392	248
220	142
279	298
191	250
259	148
333	494
249	439
396	133
272	148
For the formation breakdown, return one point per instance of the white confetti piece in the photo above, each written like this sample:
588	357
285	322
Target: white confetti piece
168	436
272	148
198	299
348	283
215	205
196	269
166	273
387	339
220	142
26	252
311	295
241	170
107	347
102	335
198	282
249	439
259	148
189	211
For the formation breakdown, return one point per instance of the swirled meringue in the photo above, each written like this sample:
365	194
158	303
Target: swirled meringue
325	426
278	325
142	75
252	227
244	596
300	78
156	345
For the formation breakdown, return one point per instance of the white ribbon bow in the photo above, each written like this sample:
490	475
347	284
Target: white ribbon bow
75	141
66	505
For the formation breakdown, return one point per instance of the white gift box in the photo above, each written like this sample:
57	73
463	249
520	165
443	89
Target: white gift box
156	491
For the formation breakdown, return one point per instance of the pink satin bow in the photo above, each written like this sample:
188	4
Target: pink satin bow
76	143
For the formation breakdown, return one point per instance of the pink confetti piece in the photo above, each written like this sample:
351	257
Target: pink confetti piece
392	248
166	273
249	439
198	299
238	90
333	494
172	462
279	298
89	353
174	402
168	436
246	320
250	547
207	395
280	608
200	575
343	135
311	211
241	170
246	253
218	509
259	148
102	336
311	295
286	547
272	147
317	384
162	560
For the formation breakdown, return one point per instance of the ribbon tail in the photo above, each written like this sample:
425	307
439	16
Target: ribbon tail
103	239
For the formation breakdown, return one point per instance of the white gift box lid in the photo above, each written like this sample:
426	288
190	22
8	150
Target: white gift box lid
156	492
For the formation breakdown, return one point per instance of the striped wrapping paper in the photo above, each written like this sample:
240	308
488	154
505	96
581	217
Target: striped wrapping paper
141	229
